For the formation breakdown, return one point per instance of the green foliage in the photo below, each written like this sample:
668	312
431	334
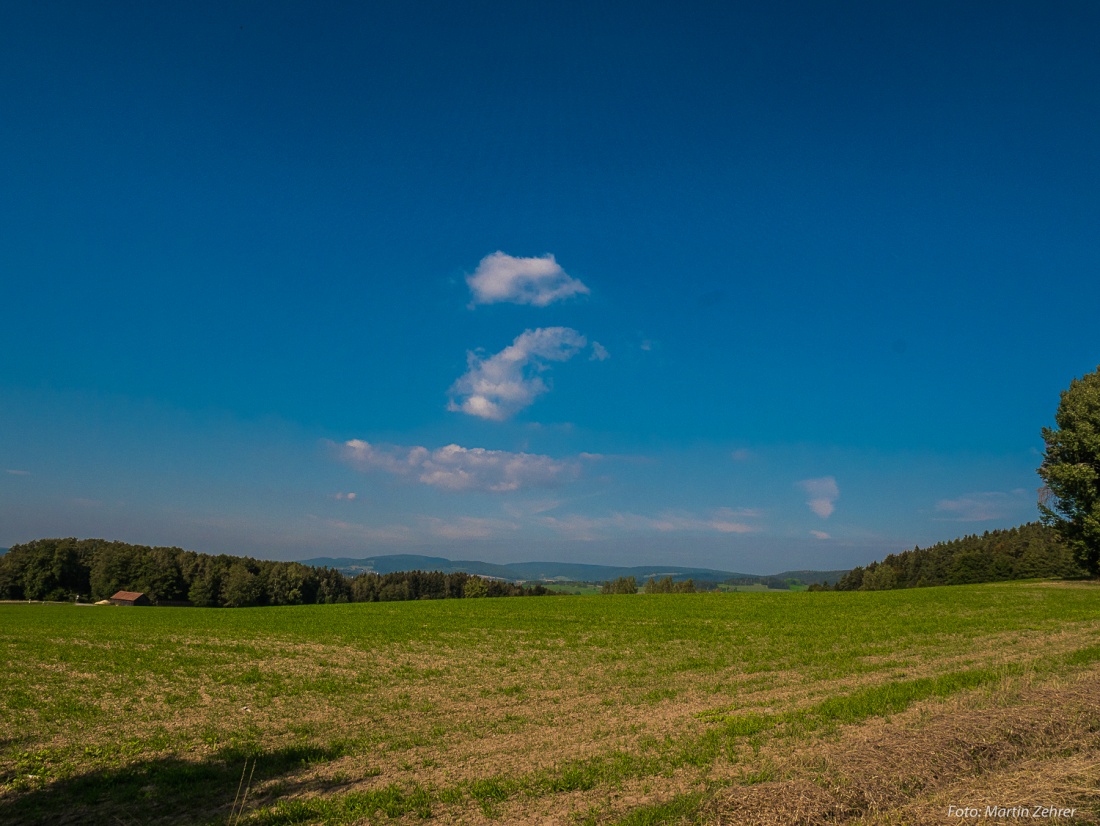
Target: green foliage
665	585
206	587
672	811
68	569
287	584
621	585
241	587
475	587
58	573
879	578
1071	471
1030	551
801	582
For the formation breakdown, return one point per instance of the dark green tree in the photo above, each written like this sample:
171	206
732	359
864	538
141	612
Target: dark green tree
621	585
475	587
113	569
159	575
1070	502
285	584
206	584
241	587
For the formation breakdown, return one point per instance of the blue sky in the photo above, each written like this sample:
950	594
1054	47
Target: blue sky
749	286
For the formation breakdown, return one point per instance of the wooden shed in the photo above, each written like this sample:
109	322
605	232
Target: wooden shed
130	598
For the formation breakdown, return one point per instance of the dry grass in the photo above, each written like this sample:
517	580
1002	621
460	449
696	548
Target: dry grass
443	707
1036	746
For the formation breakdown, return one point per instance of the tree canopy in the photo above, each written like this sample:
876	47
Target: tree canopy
621	585
1026	552
1070	503
68	569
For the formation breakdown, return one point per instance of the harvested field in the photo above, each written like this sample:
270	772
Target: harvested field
887	708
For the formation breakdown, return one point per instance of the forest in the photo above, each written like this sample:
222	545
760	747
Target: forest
94	569
1031	551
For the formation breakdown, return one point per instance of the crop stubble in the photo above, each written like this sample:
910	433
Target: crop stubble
441	698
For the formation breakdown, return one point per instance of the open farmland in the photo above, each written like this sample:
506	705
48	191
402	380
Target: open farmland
869	707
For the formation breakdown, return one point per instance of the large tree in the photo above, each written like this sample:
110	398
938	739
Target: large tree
1070	503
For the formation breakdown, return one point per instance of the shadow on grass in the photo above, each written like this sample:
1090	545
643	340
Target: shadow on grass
165	791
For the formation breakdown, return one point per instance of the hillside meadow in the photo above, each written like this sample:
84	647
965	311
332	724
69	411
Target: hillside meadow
864	707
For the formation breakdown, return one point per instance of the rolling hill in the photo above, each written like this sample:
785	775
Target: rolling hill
552	571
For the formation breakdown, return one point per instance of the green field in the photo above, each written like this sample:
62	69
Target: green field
638	709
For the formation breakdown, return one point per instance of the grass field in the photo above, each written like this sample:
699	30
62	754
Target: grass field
878	707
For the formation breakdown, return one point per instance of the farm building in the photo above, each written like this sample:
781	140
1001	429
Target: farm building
130	598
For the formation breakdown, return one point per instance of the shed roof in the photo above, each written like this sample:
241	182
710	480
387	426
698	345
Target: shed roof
129	595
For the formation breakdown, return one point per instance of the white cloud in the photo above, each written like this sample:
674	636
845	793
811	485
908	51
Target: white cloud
425	529
722	520
468	527
525	508
599	352
983	506
503	384
350	496
820	535
537	281
742	454
459	468
14	472
823	494
383	533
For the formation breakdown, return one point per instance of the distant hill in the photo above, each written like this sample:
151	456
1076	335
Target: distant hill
555	571
395	563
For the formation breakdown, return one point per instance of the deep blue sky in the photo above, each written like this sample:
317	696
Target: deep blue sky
819	273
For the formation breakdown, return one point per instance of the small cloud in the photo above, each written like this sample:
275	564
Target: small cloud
728	520
646	345
724	526
820	535
523	509
350	496
742	454
458	468
723	521
983	506
501	385
468	527
383	533
537	281
599	352
15	472
823	494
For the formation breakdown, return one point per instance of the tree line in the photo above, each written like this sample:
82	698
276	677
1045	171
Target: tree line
773	583
664	585
71	569
1026	552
